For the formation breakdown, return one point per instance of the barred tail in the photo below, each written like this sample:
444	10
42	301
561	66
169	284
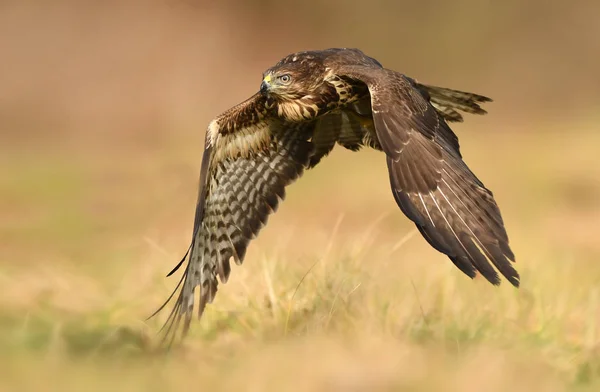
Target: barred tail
447	102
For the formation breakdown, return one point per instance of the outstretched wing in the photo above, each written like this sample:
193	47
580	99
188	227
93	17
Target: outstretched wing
431	184
249	159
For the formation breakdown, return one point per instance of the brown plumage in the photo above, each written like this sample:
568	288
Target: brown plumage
309	102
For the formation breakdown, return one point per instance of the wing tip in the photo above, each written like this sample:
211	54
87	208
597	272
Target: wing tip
513	278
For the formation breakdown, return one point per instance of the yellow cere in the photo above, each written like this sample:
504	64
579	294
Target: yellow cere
267	78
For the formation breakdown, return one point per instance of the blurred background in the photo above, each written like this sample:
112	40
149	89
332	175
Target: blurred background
103	110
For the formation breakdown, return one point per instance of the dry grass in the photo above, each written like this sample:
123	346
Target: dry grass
338	293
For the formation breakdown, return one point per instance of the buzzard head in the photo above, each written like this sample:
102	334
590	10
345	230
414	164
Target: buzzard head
294	77
297	87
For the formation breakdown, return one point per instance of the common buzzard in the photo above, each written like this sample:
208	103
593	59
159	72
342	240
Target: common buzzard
307	103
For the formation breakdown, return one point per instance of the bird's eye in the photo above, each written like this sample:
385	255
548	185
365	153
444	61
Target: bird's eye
285	78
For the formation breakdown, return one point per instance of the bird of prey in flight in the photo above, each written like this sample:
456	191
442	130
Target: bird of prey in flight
307	103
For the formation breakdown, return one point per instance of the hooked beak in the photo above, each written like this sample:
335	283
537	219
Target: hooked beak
265	85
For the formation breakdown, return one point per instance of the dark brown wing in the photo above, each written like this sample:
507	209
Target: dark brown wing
249	159
431	184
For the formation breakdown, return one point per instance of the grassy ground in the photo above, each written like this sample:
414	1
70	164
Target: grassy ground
337	293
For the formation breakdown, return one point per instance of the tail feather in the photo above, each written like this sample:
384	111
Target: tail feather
447	101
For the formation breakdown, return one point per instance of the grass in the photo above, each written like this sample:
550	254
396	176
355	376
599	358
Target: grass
337	293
